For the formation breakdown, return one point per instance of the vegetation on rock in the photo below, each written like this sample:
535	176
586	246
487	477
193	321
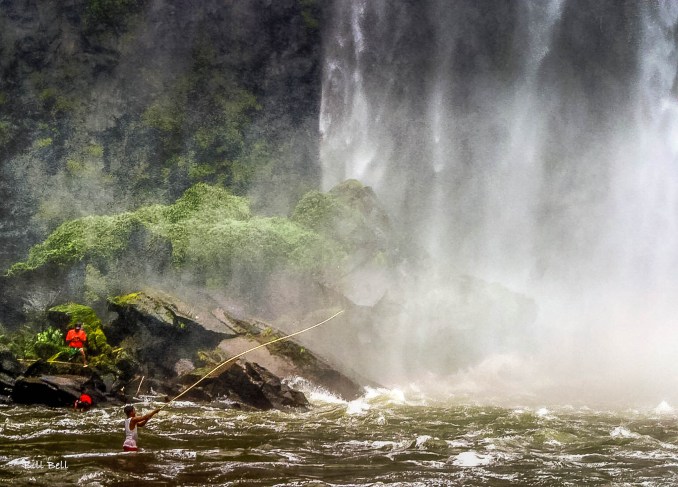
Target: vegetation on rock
211	233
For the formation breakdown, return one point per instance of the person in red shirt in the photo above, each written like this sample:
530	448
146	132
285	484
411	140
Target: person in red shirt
76	339
83	403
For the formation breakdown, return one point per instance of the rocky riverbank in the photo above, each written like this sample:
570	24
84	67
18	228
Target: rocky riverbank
160	345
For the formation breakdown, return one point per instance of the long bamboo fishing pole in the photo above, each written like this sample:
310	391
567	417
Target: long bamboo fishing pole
231	359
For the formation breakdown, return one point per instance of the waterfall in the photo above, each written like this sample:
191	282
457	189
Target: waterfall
530	145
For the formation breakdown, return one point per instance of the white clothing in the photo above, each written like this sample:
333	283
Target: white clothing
130	435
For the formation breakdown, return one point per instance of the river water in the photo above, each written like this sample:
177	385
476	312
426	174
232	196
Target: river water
385	438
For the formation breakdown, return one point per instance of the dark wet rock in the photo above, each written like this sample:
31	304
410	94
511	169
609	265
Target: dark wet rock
9	365
247	384
160	331
6	384
54	383
55	391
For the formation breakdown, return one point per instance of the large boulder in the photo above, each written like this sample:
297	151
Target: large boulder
245	384
158	330
50	390
166	335
59	384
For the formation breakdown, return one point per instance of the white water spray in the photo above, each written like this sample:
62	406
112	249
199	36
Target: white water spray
530	149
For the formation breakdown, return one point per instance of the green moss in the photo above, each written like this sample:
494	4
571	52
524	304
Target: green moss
96	341
125	299
42	143
316	210
164	115
203	202
209	231
95	150
78	313
259	245
91	237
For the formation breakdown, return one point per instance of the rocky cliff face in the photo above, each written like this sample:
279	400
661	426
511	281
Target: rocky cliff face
105	105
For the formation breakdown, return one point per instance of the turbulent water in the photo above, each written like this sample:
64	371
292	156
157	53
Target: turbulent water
385	438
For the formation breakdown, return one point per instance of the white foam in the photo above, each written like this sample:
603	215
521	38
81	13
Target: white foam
542	412
664	408
421	440
313	392
621	432
471	459
359	406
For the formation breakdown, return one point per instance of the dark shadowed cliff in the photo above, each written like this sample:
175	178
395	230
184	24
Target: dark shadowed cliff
109	104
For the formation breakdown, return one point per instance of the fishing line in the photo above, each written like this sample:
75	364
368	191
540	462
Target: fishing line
248	351
139	388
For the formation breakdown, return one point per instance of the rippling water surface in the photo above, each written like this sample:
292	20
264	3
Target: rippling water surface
386	438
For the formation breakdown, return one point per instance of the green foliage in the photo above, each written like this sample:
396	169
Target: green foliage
78	313
211	233
206	203
21	343
91	237
164	115
259	245
95	150
49	343
328	215
317	211
200	123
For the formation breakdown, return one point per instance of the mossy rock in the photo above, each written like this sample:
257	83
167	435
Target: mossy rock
127	365
68	314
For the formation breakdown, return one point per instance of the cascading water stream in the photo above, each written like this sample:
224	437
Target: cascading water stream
532	147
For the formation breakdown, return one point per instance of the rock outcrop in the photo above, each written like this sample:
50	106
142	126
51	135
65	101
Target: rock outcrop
60	384
10	369
167	337
245	383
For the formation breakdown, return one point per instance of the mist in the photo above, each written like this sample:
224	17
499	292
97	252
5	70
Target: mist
527	150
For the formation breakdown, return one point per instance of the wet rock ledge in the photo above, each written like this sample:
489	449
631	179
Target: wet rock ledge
159	345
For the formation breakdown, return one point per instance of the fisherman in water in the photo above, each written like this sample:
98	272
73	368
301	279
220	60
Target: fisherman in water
131	423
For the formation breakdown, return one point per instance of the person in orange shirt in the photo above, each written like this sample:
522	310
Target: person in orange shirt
76	339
